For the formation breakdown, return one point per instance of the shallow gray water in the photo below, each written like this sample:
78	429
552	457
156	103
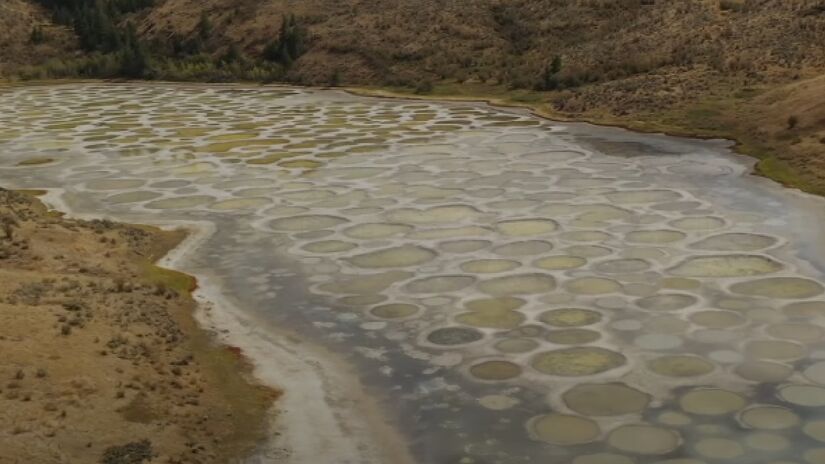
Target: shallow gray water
514	290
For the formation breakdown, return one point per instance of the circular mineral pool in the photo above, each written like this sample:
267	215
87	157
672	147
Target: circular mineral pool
495	370
592	286
769	418
525	248
493	318
373	231
486	266
763	371
803	395
563	430
644	439
667	302
680	366
394	310
306	223
609	399
572	336
719	448
717	319
764	441
402	256
602	458
520	284
463	246
655	236
526	227
329	246
559	263
516	345
570	317
622	266
726	266
452	336
439	284
578	361
711	402
698	223
734	242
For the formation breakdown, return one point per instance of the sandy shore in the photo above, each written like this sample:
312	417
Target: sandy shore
323	415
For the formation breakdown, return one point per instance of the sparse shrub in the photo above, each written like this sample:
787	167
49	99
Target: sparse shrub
131	453
232	55
793	121
72	306
731	5
8	223
160	289
423	87
335	78
37	36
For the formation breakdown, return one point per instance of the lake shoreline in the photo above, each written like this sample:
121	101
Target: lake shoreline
265	290
322	412
738	146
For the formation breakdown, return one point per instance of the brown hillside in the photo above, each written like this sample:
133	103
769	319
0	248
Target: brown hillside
17	20
735	68
385	42
102	360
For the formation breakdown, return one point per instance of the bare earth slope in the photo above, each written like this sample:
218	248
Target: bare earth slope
102	361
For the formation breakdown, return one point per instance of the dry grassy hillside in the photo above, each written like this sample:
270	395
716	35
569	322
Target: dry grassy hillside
102	361
736	68
17	20
386	42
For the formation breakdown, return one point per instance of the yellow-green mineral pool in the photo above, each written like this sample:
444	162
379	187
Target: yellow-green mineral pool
510	290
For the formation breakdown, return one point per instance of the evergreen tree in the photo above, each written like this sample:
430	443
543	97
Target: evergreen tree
204	27
232	55
291	42
134	61
550	76
37	36
556	64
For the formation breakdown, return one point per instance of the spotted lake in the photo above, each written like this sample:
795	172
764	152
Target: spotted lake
507	289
